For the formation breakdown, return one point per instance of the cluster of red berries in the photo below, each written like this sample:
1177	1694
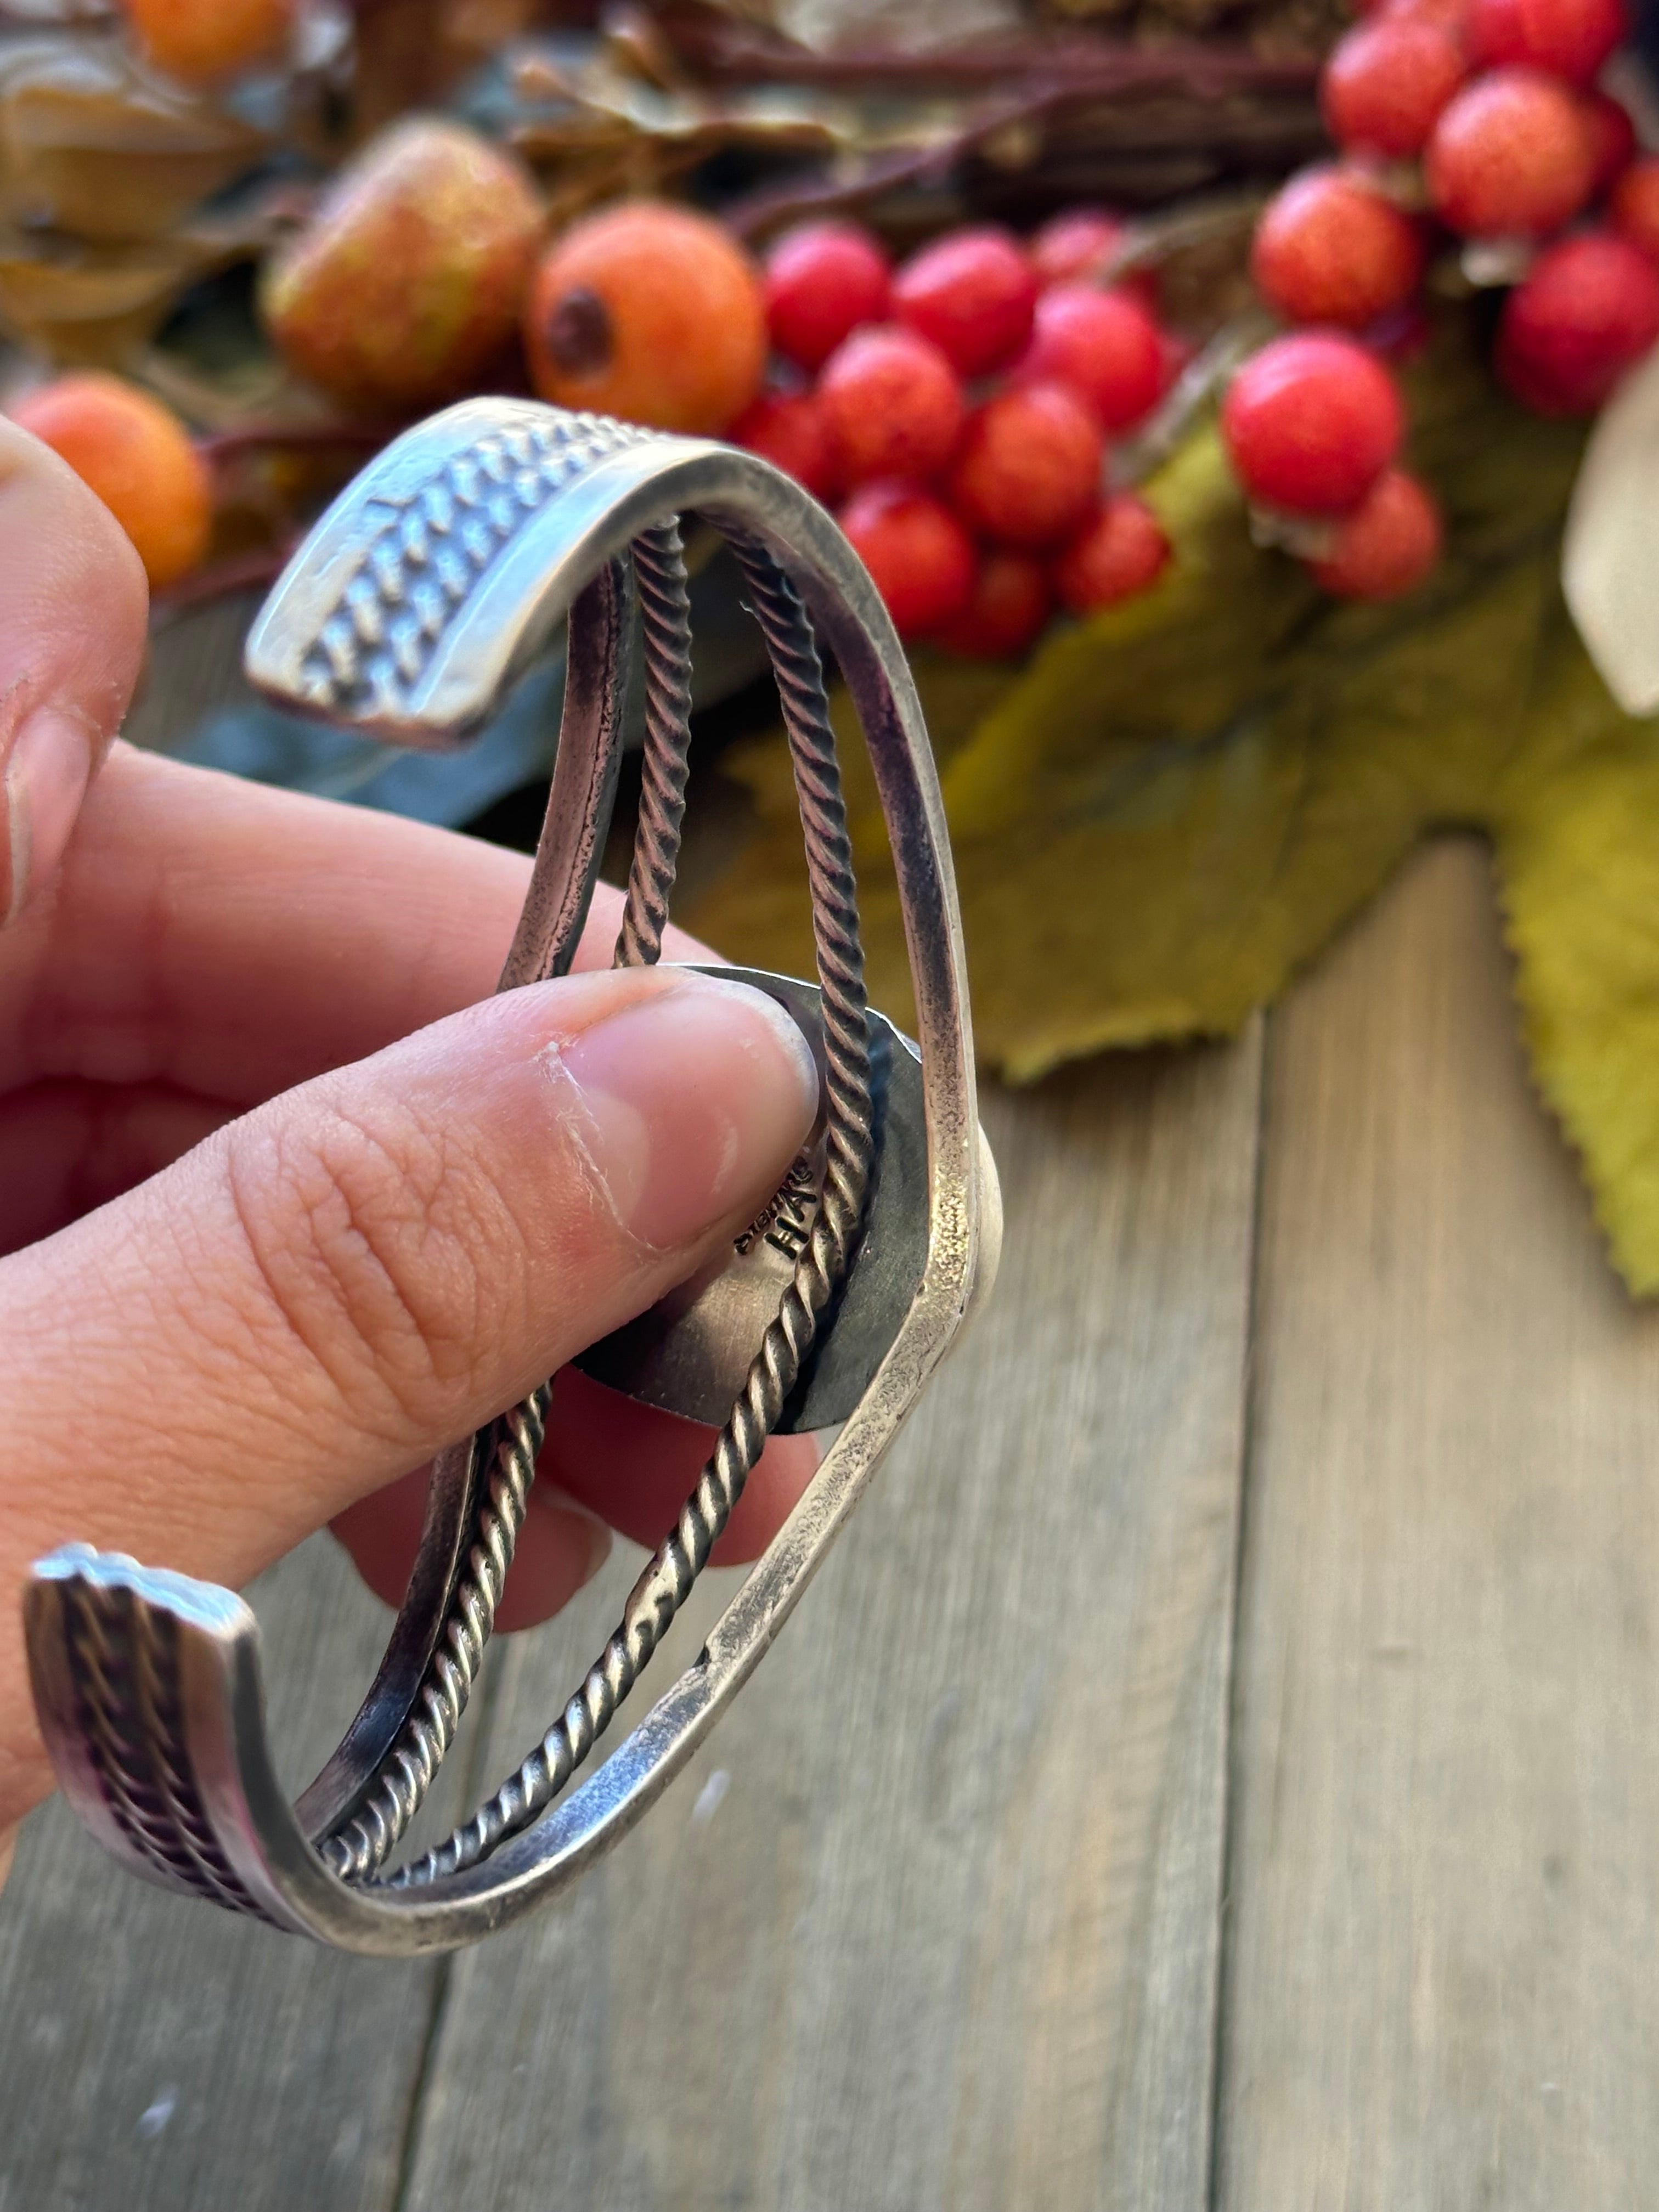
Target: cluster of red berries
1482	116
955	411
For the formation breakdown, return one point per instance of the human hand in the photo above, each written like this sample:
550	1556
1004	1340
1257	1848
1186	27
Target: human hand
287	1202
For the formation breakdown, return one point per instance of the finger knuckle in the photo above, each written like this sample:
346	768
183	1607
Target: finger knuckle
384	1247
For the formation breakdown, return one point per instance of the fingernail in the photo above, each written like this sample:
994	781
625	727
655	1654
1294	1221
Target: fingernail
46	778
688	1105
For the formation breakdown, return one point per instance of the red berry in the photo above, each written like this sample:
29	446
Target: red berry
972	293
1080	246
1122	550
1385	85
1510	157
1104	346
1005	616
1571	38
1387	546
788	429
1634	206
1331	249
1029	466
893	404
1446	16
1587	311
918	553
1310	422
1076	247
1612	136
823	281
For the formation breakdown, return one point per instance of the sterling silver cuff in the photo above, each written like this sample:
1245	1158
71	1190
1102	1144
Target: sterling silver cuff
419	600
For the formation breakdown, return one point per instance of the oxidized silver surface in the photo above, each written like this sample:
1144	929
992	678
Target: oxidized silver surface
421	596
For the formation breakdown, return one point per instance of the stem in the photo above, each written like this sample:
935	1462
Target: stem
1152	238
239	572
219	445
1092	66
1193	391
759	213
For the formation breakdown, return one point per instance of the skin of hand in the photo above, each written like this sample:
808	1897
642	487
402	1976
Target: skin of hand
288	1201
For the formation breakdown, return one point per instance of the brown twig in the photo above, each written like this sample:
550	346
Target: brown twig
221	446
1091	65
1141	456
861	183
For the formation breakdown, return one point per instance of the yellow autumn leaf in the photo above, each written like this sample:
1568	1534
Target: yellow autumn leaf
1574	828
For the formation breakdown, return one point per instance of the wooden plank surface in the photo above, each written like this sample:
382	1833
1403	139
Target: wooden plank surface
155	2054
932	1921
1443	1879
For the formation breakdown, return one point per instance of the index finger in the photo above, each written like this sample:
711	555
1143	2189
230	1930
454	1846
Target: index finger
231	941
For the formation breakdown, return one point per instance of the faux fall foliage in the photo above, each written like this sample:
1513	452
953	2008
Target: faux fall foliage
1178	802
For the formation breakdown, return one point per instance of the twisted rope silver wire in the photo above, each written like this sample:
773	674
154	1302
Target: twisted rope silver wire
836	937
99	1646
361	1845
364	1841
665	599
123	1666
669	1576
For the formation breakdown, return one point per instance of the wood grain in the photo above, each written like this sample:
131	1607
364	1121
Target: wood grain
1444	1872
932	1921
155	2053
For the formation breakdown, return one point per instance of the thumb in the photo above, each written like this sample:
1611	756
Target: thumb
334	1288
73	607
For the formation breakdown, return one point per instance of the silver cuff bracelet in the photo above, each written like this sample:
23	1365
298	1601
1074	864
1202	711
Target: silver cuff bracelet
416	604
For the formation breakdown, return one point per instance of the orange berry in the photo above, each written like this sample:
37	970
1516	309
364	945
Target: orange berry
137	457
409	278
652	313
203	41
